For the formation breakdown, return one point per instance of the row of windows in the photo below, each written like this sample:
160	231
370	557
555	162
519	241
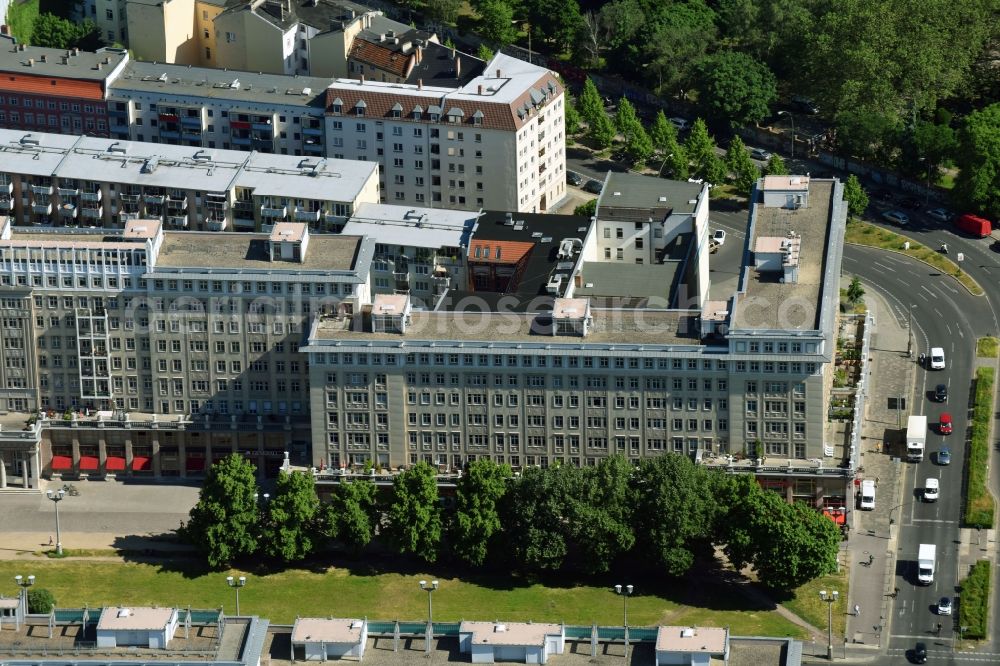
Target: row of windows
51	105
523	361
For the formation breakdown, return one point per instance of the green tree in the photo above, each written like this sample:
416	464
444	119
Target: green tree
484	53
40	601
55	32
855	292
352	513
602	131
477	520
735	88
664	138
496	22
715	171
978	158
555	20
930	145
572	115
589	104
443	10
600	515
700	147
291	526
588	209
224	524
626	117
867	133
415	523
534	517
638	145
854	194
745	172
775	166
787	544
672	485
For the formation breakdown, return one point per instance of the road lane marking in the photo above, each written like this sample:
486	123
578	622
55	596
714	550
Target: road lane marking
934	520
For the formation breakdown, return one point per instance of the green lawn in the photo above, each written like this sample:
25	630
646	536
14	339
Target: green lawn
986	347
808	605
21	19
337	592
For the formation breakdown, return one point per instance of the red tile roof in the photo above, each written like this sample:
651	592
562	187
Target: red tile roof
495	115
498	252
382	58
53	86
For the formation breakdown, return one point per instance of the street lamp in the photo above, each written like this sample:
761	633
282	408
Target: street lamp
909	330
625	592
830	598
659	174
792	118
23	583
236	584
429	588
57	497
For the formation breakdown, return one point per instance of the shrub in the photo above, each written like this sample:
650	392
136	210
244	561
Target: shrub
979	505
973	607
40	600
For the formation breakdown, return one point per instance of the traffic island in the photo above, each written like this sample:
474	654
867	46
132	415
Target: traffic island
979	503
974	602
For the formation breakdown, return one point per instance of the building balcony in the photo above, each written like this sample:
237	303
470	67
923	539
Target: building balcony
265	127
68	210
93	213
313	131
191	121
333	218
6	204
42	208
302	215
68	192
169	134
9	187
129	198
119	131
177	204
126	215
177	221
240	140
43	189
154	198
267	211
312	148
91	196
217	224
192	136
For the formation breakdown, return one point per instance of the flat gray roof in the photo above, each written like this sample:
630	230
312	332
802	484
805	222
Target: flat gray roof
634	285
218	84
634	191
213	249
412	226
640	327
81	65
766	302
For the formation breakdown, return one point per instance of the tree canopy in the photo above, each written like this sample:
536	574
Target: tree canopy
224	524
477	519
291	526
415	522
736	89
352	514
58	33
745	172
978	184
854	194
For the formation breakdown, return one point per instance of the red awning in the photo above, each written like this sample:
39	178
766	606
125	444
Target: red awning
195	464
114	463
140	463
89	462
62	462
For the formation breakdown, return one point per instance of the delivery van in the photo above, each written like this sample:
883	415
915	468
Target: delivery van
867	495
971	224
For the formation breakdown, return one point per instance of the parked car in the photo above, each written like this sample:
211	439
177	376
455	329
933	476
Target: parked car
944	424
760	154
944	606
884	195
679	123
941	393
719	236
944	456
804	105
594	186
939	214
896	217
573	178
920	653
912	203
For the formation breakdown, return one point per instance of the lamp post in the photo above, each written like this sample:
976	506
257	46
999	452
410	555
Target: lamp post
625	592
23	583
909	330
659	174
792	118
57	497
429	588
236	584
830	598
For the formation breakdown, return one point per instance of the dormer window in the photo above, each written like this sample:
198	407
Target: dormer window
477	118
434	117
397	110
360	107
337	106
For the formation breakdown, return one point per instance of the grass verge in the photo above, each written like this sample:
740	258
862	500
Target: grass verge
979	504
21	19
863	233
987	347
339	592
974	602
807	604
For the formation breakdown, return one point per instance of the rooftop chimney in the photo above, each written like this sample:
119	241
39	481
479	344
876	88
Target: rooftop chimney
458	68
480	88
98	66
420	84
362	79
31	62
498	73
76	50
44	58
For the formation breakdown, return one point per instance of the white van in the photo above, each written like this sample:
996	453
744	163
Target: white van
932	489
867	495
937	358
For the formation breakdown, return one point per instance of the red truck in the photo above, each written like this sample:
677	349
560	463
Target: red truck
977	226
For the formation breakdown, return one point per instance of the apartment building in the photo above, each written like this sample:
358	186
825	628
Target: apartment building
214	108
151	352
497	142
543	359
59	180
56	90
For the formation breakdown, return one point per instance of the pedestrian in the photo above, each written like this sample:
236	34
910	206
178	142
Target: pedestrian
871	558
857	610
876	482
50	539
895	592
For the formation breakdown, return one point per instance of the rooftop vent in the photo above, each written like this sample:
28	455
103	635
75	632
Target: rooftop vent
617	194
499	628
149	166
688	632
663	200
202	156
124	612
28	140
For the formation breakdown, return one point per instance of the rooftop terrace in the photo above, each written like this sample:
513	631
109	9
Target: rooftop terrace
191	249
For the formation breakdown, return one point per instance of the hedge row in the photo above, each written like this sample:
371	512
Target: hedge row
979	505
974	602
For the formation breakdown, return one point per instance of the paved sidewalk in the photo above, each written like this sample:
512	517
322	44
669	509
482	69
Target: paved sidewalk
873	536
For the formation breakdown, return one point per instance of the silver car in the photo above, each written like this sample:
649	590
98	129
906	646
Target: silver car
940	214
760	154
896	217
